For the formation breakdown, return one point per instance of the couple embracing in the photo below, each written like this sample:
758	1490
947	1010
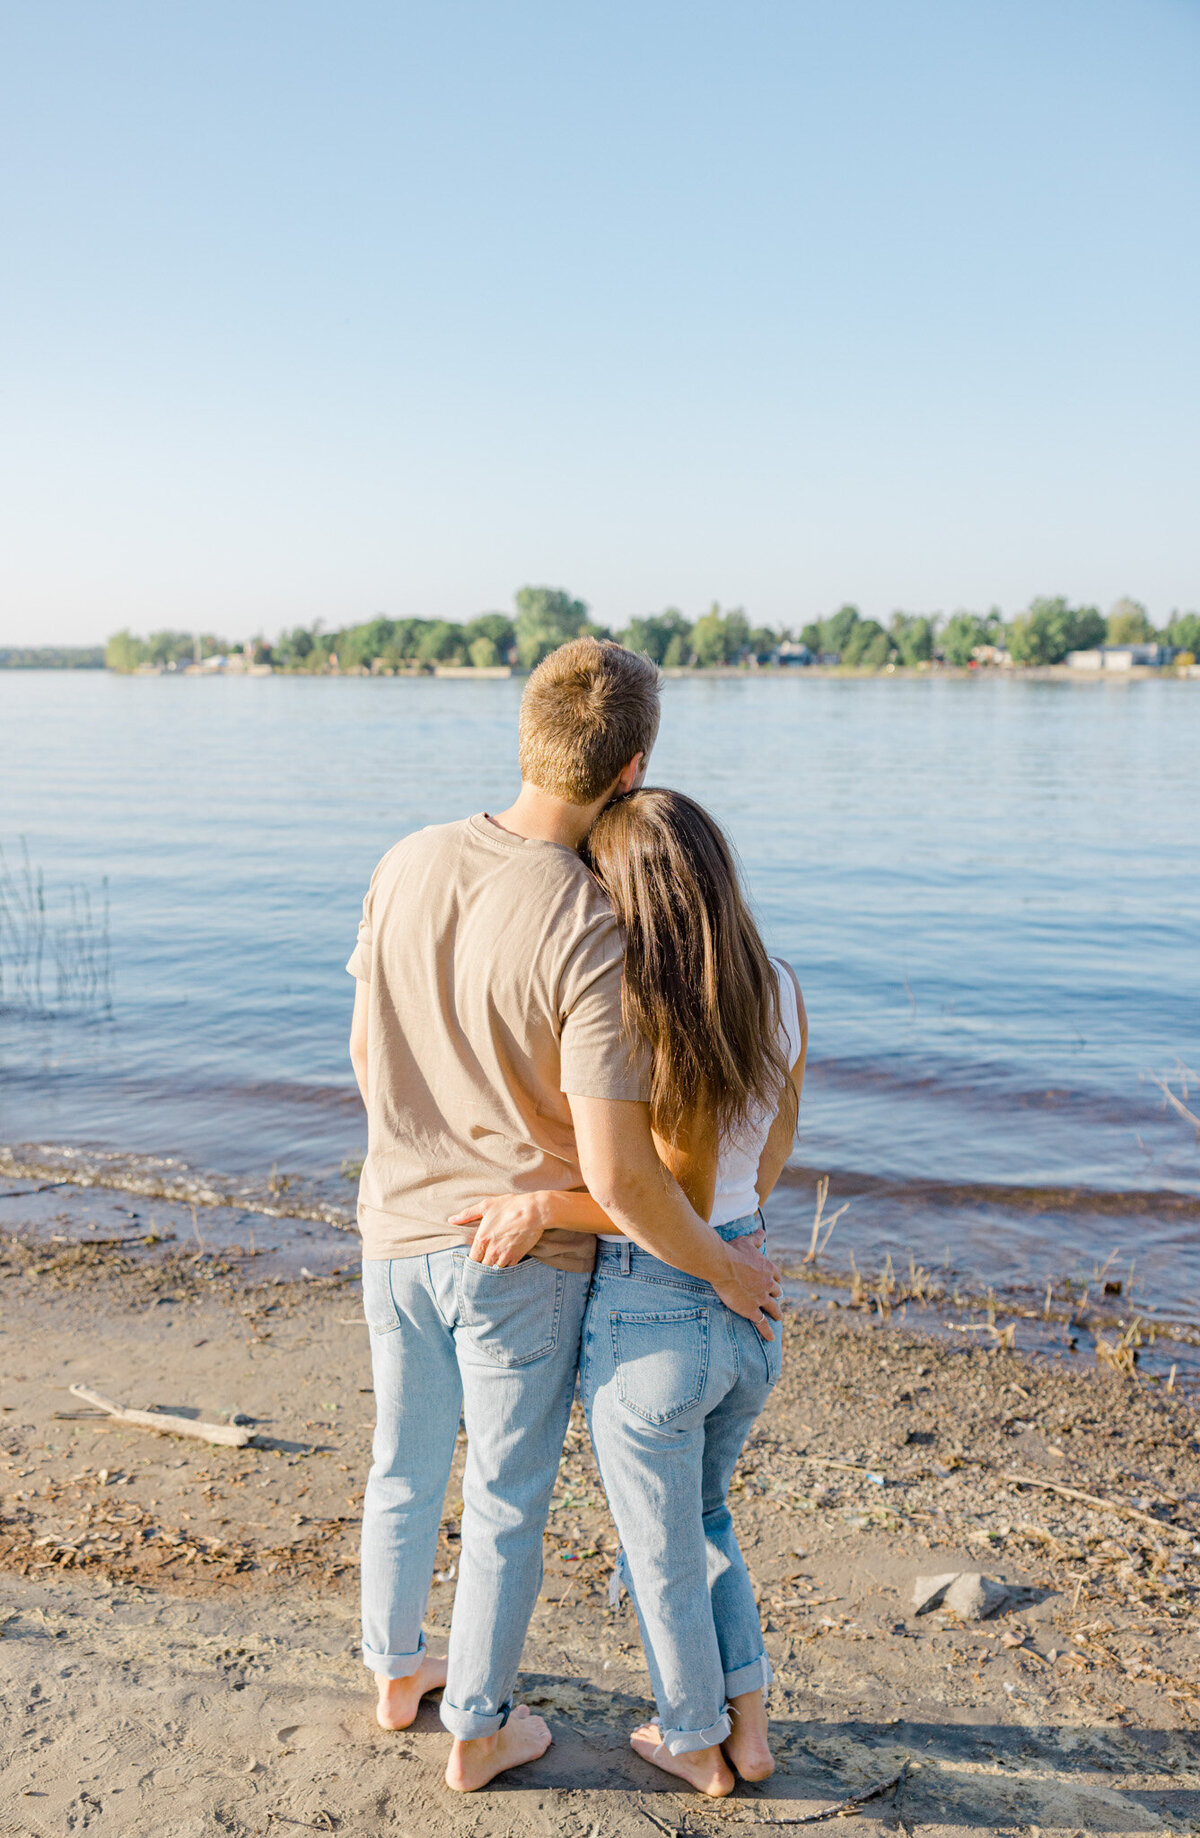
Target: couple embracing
581	1073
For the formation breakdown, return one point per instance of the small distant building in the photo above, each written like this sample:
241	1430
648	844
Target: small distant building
477	672
791	654
1120	657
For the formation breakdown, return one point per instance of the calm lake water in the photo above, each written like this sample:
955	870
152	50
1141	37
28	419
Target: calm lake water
989	890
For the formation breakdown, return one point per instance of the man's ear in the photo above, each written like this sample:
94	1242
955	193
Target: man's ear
630	776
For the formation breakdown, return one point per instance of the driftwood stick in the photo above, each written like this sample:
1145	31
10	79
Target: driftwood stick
849	1804
233	1435
1180	1533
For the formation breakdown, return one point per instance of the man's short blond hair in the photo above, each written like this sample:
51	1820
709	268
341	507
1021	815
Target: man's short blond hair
587	709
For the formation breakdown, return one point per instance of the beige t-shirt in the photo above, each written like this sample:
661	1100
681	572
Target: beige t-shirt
494	966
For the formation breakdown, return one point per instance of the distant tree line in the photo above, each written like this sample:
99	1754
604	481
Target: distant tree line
546	617
51	657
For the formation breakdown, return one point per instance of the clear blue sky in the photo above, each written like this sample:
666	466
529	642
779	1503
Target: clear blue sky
317	311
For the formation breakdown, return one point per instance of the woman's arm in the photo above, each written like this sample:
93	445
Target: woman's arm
783	1131
509	1225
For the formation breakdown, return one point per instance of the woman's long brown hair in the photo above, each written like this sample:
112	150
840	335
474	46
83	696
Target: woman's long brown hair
699	987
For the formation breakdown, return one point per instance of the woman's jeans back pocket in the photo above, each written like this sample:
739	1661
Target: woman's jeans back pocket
512	1312
661	1361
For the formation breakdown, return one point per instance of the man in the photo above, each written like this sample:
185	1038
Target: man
488	1045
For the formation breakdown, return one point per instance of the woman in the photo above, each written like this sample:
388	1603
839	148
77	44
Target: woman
672	1380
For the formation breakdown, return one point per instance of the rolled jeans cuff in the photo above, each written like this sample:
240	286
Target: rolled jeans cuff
395	1665
754	1677
469	1725
682	1742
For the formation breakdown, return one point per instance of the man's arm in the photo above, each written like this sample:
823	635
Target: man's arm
626	1179
358	1034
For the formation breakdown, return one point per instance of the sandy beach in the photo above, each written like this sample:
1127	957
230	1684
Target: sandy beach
179	1620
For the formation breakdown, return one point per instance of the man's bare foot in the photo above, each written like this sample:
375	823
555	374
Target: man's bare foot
473	1764
704	1769
399	1698
746	1747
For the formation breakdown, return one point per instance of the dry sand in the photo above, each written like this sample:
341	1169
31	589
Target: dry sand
179	1622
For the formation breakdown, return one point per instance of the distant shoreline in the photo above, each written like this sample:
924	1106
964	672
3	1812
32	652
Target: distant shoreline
1028	673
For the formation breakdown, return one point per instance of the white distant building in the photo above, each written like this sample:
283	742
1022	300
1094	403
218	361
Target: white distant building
1119	657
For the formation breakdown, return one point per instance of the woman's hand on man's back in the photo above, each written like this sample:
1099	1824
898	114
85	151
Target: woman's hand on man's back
507	1226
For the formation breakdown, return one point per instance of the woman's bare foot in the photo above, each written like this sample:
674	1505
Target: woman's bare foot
704	1769
473	1764
746	1747
399	1698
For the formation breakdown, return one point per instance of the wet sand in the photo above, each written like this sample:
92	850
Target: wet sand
179	1622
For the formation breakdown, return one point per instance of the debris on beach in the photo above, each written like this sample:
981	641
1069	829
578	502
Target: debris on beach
231	1435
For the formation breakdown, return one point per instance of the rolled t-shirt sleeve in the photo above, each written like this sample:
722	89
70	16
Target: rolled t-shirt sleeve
598	1058
360	958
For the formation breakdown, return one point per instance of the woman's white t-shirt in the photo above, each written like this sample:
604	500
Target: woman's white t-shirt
736	1195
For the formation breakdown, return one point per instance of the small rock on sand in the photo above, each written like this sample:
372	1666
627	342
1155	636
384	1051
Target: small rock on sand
967	1593
929	1590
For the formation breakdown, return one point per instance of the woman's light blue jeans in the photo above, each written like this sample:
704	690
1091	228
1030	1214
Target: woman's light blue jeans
502	1345
672	1384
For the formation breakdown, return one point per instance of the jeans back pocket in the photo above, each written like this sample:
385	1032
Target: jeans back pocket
512	1312
661	1361
379	1301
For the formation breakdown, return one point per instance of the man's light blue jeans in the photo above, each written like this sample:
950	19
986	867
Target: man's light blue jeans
502	1345
672	1384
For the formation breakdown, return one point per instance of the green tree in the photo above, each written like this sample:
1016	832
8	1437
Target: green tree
359	645
124	652
720	638
294	647
401	647
496	626
1183	632
1128	624
835	631
440	643
677	652
168	647
655	634
1051	628
737	634
811	636
708	639
763	640
546	618
960	635
482	652
868	646
912	635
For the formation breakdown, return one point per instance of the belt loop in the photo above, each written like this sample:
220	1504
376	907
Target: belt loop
626	1260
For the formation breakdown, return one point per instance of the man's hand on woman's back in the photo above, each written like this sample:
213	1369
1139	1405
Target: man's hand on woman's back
753	1285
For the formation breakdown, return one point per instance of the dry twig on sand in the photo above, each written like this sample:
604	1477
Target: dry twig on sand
232	1435
1180	1533
850	1804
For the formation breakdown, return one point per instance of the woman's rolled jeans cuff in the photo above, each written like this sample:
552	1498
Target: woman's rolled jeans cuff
470	1725
686	1742
756	1676
395	1665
